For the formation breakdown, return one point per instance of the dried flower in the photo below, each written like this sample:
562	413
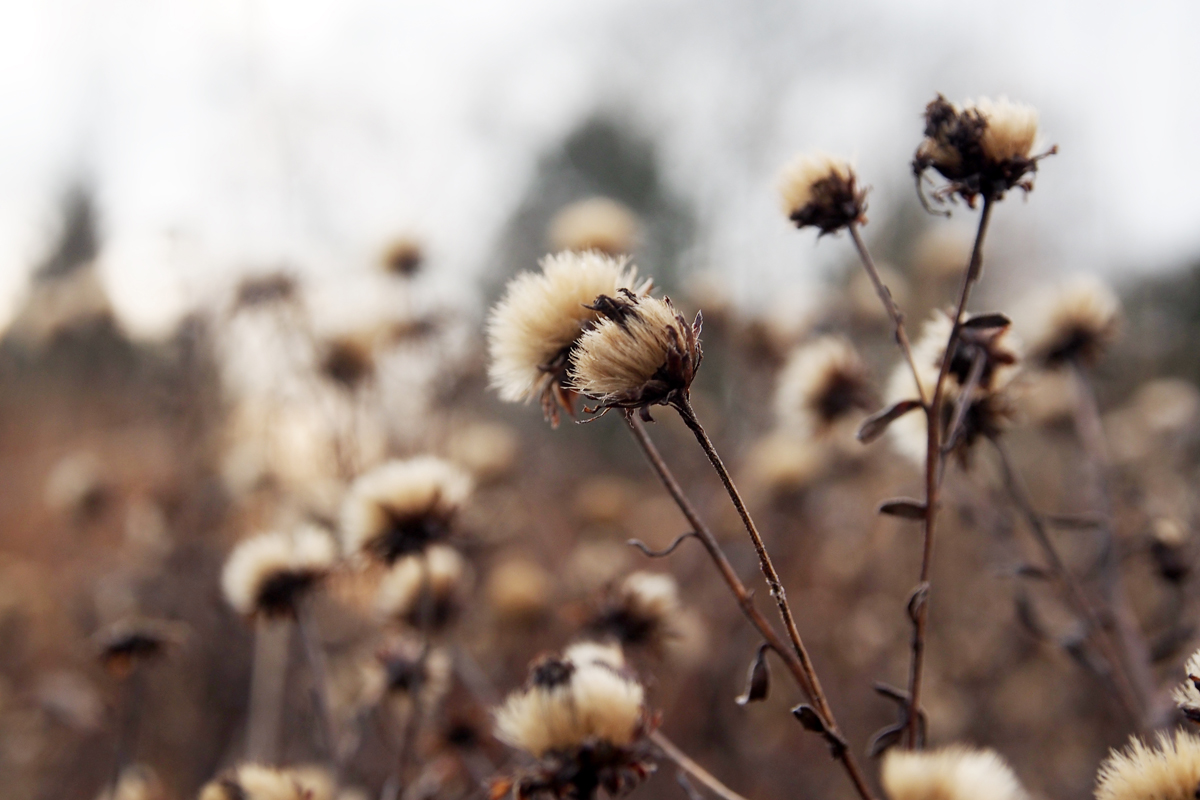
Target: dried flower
534	328
822	191
1187	694
1170	771
256	782
1074	323
425	590
822	383
953	773
403	257
991	401
642	353
597	223
639	613
128	642
402	506
984	148
583	716
269	573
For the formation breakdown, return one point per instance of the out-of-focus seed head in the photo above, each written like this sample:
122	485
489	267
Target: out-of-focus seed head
518	590
269	573
258	782
534	329
1074	323
640	612
125	644
403	257
1187	694
952	773
1168	771
822	383
598	223
983	149
821	191
424	591
401	507
642	353
347	360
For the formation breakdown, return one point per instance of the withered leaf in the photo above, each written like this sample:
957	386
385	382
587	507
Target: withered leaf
903	507
874	425
987	321
758	678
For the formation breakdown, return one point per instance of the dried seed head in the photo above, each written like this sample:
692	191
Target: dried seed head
403	257
128	642
984	148
1170	771
269	573
402	506
409	670
639	613
642	353
953	773
822	383
581	700
347	360
1074	323
432	583
992	404
822	191
597	223
534	328
1187	694
256	782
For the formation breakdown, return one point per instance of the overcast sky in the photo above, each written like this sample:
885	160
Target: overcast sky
221	135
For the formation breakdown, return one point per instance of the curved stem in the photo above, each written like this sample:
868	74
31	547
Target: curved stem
889	304
685	763
804	677
933	455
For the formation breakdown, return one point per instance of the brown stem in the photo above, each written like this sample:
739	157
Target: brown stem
889	304
1133	646
129	718
1075	594
688	765
744	599
306	628
267	684
933	455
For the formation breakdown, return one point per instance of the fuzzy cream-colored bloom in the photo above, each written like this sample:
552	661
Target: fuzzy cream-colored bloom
991	403
822	383
268	573
642	353
438	574
257	782
953	773
985	147
1170	771
598	223
536	325
821	191
1011	128
639	613
1074	322
401	507
584	698
1187	694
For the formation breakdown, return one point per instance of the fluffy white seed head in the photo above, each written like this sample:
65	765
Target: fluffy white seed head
598	223
640	353
1169	771
542	314
651	595
1077	320
1011	129
821	383
267	573
257	782
798	177
585	697
440	571
400	507
1186	695
820	190
953	773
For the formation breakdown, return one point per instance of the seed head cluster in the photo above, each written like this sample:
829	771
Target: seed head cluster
533	330
401	507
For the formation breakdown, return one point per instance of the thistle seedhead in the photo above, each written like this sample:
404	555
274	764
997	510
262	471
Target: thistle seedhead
127	643
1168	771
638	613
642	353
270	573
952	773
598	223
983	149
1073	323
257	782
822	191
426	590
822	383
403	257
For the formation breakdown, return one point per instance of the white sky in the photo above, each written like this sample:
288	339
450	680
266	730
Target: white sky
222	135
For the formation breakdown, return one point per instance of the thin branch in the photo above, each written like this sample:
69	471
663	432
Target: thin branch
1075	594
889	305
685	762
741	594
267	684
306	628
933	455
